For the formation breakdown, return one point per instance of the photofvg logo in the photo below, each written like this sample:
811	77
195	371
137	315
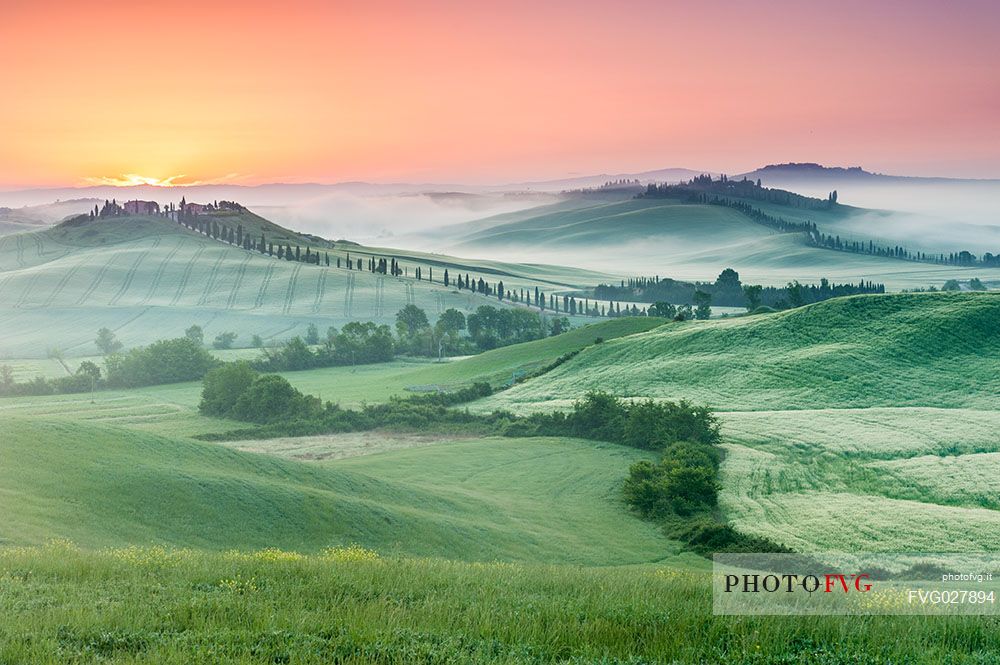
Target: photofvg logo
838	583
792	583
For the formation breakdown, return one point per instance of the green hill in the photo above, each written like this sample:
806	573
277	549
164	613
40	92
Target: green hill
882	406
620	222
147	278
689	241
890	350
481	499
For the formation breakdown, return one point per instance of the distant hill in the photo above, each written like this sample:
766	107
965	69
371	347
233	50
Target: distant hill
579	182
929	350
940	211
811	172
33	218
695	241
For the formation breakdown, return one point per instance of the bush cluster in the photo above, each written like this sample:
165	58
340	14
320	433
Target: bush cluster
648	424
165	361
683	482
238	391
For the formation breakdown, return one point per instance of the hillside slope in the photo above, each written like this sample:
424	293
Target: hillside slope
147	278
533	499
667	237
930	349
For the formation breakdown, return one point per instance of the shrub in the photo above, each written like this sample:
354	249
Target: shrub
684	482
706	534
270	398
223	386
224	340
166	361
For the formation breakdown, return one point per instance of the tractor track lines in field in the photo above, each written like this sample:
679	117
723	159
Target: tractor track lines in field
410	295
240	273
130	275
63	282
282	332
320	291
187	274
161	270
213	277
98	278
131	319
290	290
3	283
264	283
349	297
379	296
4	251
28	289
20	250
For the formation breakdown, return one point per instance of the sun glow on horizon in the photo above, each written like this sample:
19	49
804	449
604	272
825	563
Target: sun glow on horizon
137	180
134	179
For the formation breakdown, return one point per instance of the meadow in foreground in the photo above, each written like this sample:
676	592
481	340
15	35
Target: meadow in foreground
59	604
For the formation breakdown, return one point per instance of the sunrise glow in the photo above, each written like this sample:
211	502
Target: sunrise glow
449	91
132	179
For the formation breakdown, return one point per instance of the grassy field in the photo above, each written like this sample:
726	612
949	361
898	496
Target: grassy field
912	479
878	407
172	409
26	369
541	500
865	423
136	605
147	278
934	350
693	242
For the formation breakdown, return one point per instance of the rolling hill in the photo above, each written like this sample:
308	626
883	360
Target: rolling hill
37	217
147	278
876	406
690	241
933	349
536	500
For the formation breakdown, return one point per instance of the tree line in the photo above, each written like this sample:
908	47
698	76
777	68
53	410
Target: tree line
729	291
356	343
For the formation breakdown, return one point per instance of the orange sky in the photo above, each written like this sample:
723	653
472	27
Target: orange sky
446	91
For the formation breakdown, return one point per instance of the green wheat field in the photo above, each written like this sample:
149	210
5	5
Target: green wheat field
126	538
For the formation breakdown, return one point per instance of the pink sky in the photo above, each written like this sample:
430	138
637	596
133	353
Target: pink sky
482	92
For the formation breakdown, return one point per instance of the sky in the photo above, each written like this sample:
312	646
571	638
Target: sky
472	92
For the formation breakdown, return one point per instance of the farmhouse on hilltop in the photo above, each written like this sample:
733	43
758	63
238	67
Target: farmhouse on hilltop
194	208
142	208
